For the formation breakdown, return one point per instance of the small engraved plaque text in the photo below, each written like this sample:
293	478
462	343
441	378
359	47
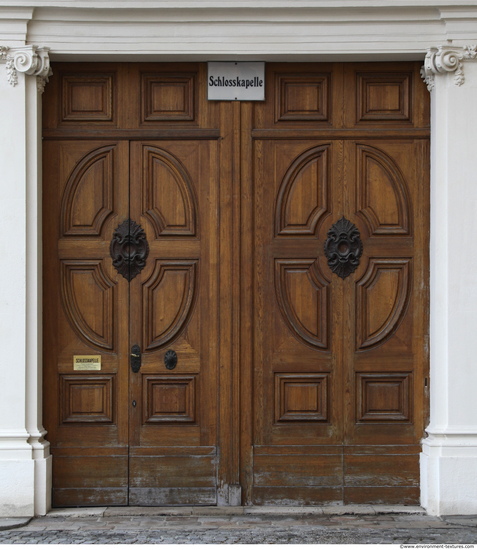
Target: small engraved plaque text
87	362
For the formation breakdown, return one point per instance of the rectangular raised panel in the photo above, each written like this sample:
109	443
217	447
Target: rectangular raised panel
301	97
87	98
169	399
86	399
384	97
301	397
384	397
167	97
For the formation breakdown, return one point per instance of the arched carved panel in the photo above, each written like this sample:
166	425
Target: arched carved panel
168	297
303	196
381	302
382	198
88	301
302	294
88	197
169	201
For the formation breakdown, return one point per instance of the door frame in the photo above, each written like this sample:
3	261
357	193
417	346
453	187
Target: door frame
24	439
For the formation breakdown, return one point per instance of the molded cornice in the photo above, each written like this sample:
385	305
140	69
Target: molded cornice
446	59
31	60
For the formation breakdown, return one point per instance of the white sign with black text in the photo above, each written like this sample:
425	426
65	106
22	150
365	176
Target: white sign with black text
241	81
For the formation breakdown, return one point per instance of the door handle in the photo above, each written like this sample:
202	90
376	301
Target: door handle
135	358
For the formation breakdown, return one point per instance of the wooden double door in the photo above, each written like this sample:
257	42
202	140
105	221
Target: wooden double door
235	294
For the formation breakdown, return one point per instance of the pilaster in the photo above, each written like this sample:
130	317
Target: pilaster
25	464
449	457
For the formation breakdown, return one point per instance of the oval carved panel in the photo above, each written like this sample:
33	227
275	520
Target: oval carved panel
302	294
381	302
303	196
382	198
168	296
88	197
168	196
88	300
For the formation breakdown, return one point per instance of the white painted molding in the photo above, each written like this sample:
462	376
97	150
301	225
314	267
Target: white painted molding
31	60
446	59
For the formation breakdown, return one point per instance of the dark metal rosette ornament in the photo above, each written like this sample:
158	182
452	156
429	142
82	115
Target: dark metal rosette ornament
170	359
129	249
343	248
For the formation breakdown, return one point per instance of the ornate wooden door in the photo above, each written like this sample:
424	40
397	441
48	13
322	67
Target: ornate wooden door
340	284
131	283
253	277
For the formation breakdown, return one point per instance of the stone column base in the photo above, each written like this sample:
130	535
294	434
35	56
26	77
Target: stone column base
449	474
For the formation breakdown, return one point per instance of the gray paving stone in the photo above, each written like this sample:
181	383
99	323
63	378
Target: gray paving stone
461	520
288	536
246	529
13	523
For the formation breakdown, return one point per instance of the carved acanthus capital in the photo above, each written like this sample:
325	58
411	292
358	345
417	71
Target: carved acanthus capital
446	59
31	60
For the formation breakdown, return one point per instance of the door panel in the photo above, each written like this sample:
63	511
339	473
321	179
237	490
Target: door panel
340	355
118	436
86	196
174	198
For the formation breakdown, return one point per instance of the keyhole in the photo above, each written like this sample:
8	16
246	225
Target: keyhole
134	403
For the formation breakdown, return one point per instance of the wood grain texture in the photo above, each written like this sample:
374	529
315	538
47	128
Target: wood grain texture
297	471
172	471
87	399
173	496
299	386
382	495
367	334
97	175
381	470
168	97
87	97
297	496
301	397
65	498
169	399
302	96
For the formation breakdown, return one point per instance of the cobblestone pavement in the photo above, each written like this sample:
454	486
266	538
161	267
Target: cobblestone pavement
258	527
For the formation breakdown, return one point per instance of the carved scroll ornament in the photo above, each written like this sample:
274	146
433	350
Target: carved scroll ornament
31	60
446	59
129	249
343	248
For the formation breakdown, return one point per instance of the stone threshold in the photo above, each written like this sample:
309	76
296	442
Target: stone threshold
188	511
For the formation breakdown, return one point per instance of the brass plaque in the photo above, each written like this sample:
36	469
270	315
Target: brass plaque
87	362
